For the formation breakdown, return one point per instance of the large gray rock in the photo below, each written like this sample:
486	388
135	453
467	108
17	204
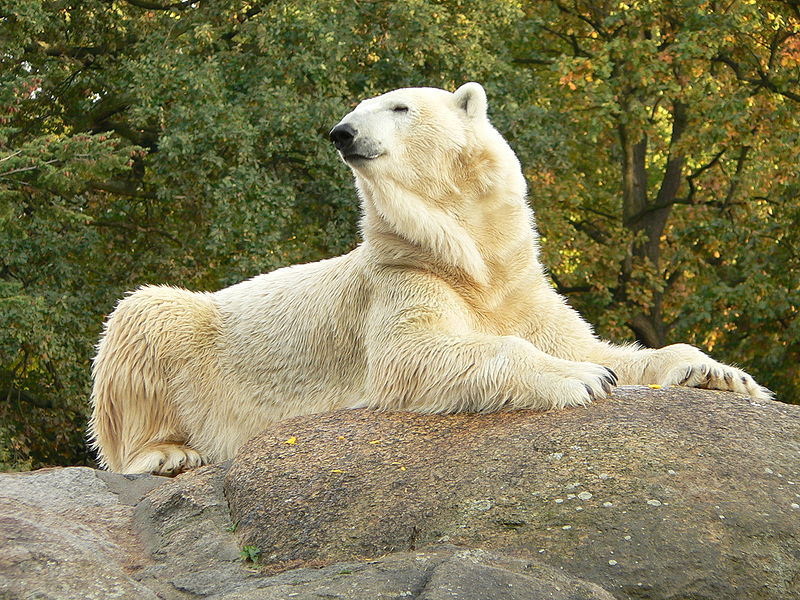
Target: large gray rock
653	494
445	573
671	493
76	533
64	533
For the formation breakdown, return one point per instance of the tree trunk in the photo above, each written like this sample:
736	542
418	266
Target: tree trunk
646	219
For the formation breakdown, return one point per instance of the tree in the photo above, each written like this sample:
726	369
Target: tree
165	141
677	113
181	143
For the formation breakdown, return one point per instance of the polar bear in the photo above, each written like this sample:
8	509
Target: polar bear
443	307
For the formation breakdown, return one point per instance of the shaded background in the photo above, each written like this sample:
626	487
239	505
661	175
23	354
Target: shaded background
186	143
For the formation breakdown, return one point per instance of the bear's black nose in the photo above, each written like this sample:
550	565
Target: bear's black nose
342	136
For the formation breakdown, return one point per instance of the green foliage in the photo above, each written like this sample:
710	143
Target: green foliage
186	144
250	554
679	123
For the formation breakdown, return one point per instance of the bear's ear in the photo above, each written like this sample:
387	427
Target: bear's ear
471	98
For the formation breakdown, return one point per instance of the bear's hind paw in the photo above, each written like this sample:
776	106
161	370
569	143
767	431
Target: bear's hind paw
716	376
164	459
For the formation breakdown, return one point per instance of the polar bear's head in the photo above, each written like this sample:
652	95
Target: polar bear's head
432	170
427	141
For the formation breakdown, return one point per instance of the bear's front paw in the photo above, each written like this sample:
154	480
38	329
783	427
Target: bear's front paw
716	376
582	384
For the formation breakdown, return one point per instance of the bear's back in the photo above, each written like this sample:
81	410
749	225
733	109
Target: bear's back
305	320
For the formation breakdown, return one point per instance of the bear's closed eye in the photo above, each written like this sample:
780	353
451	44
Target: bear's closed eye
400	108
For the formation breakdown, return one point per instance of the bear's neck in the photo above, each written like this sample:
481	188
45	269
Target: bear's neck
472	244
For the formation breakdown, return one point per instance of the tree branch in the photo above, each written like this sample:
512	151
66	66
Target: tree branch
569	39
155	6
121	188
672	174
768	83
12	155
780	37
645	331
76	52
21	395
794	5
532	61
599	213
562	289
763	80
593	24
137	229
688	199
146	138
736	175
595	233
690	178
31	168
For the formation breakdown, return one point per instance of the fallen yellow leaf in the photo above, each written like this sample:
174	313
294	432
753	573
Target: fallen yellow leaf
292	441
375	442
654	386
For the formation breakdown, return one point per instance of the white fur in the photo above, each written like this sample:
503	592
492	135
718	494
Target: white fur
444	307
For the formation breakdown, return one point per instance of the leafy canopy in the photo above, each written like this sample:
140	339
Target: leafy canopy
147	141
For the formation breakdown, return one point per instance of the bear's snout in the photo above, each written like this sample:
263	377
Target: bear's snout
342	137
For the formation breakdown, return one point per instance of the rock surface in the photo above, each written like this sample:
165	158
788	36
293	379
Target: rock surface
671	493
653	494
65	533
78	533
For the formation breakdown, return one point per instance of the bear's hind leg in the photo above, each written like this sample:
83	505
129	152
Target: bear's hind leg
163	458
136	426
